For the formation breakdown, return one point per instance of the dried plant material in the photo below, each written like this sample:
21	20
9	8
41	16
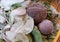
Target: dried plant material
59	21
57	36
58	39
58	8
56	4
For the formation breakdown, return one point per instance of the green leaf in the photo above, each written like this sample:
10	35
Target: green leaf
47	4
1	40
16	5
37	35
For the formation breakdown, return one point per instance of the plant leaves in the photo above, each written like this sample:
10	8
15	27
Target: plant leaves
1	40
37	35
16	5
47	4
